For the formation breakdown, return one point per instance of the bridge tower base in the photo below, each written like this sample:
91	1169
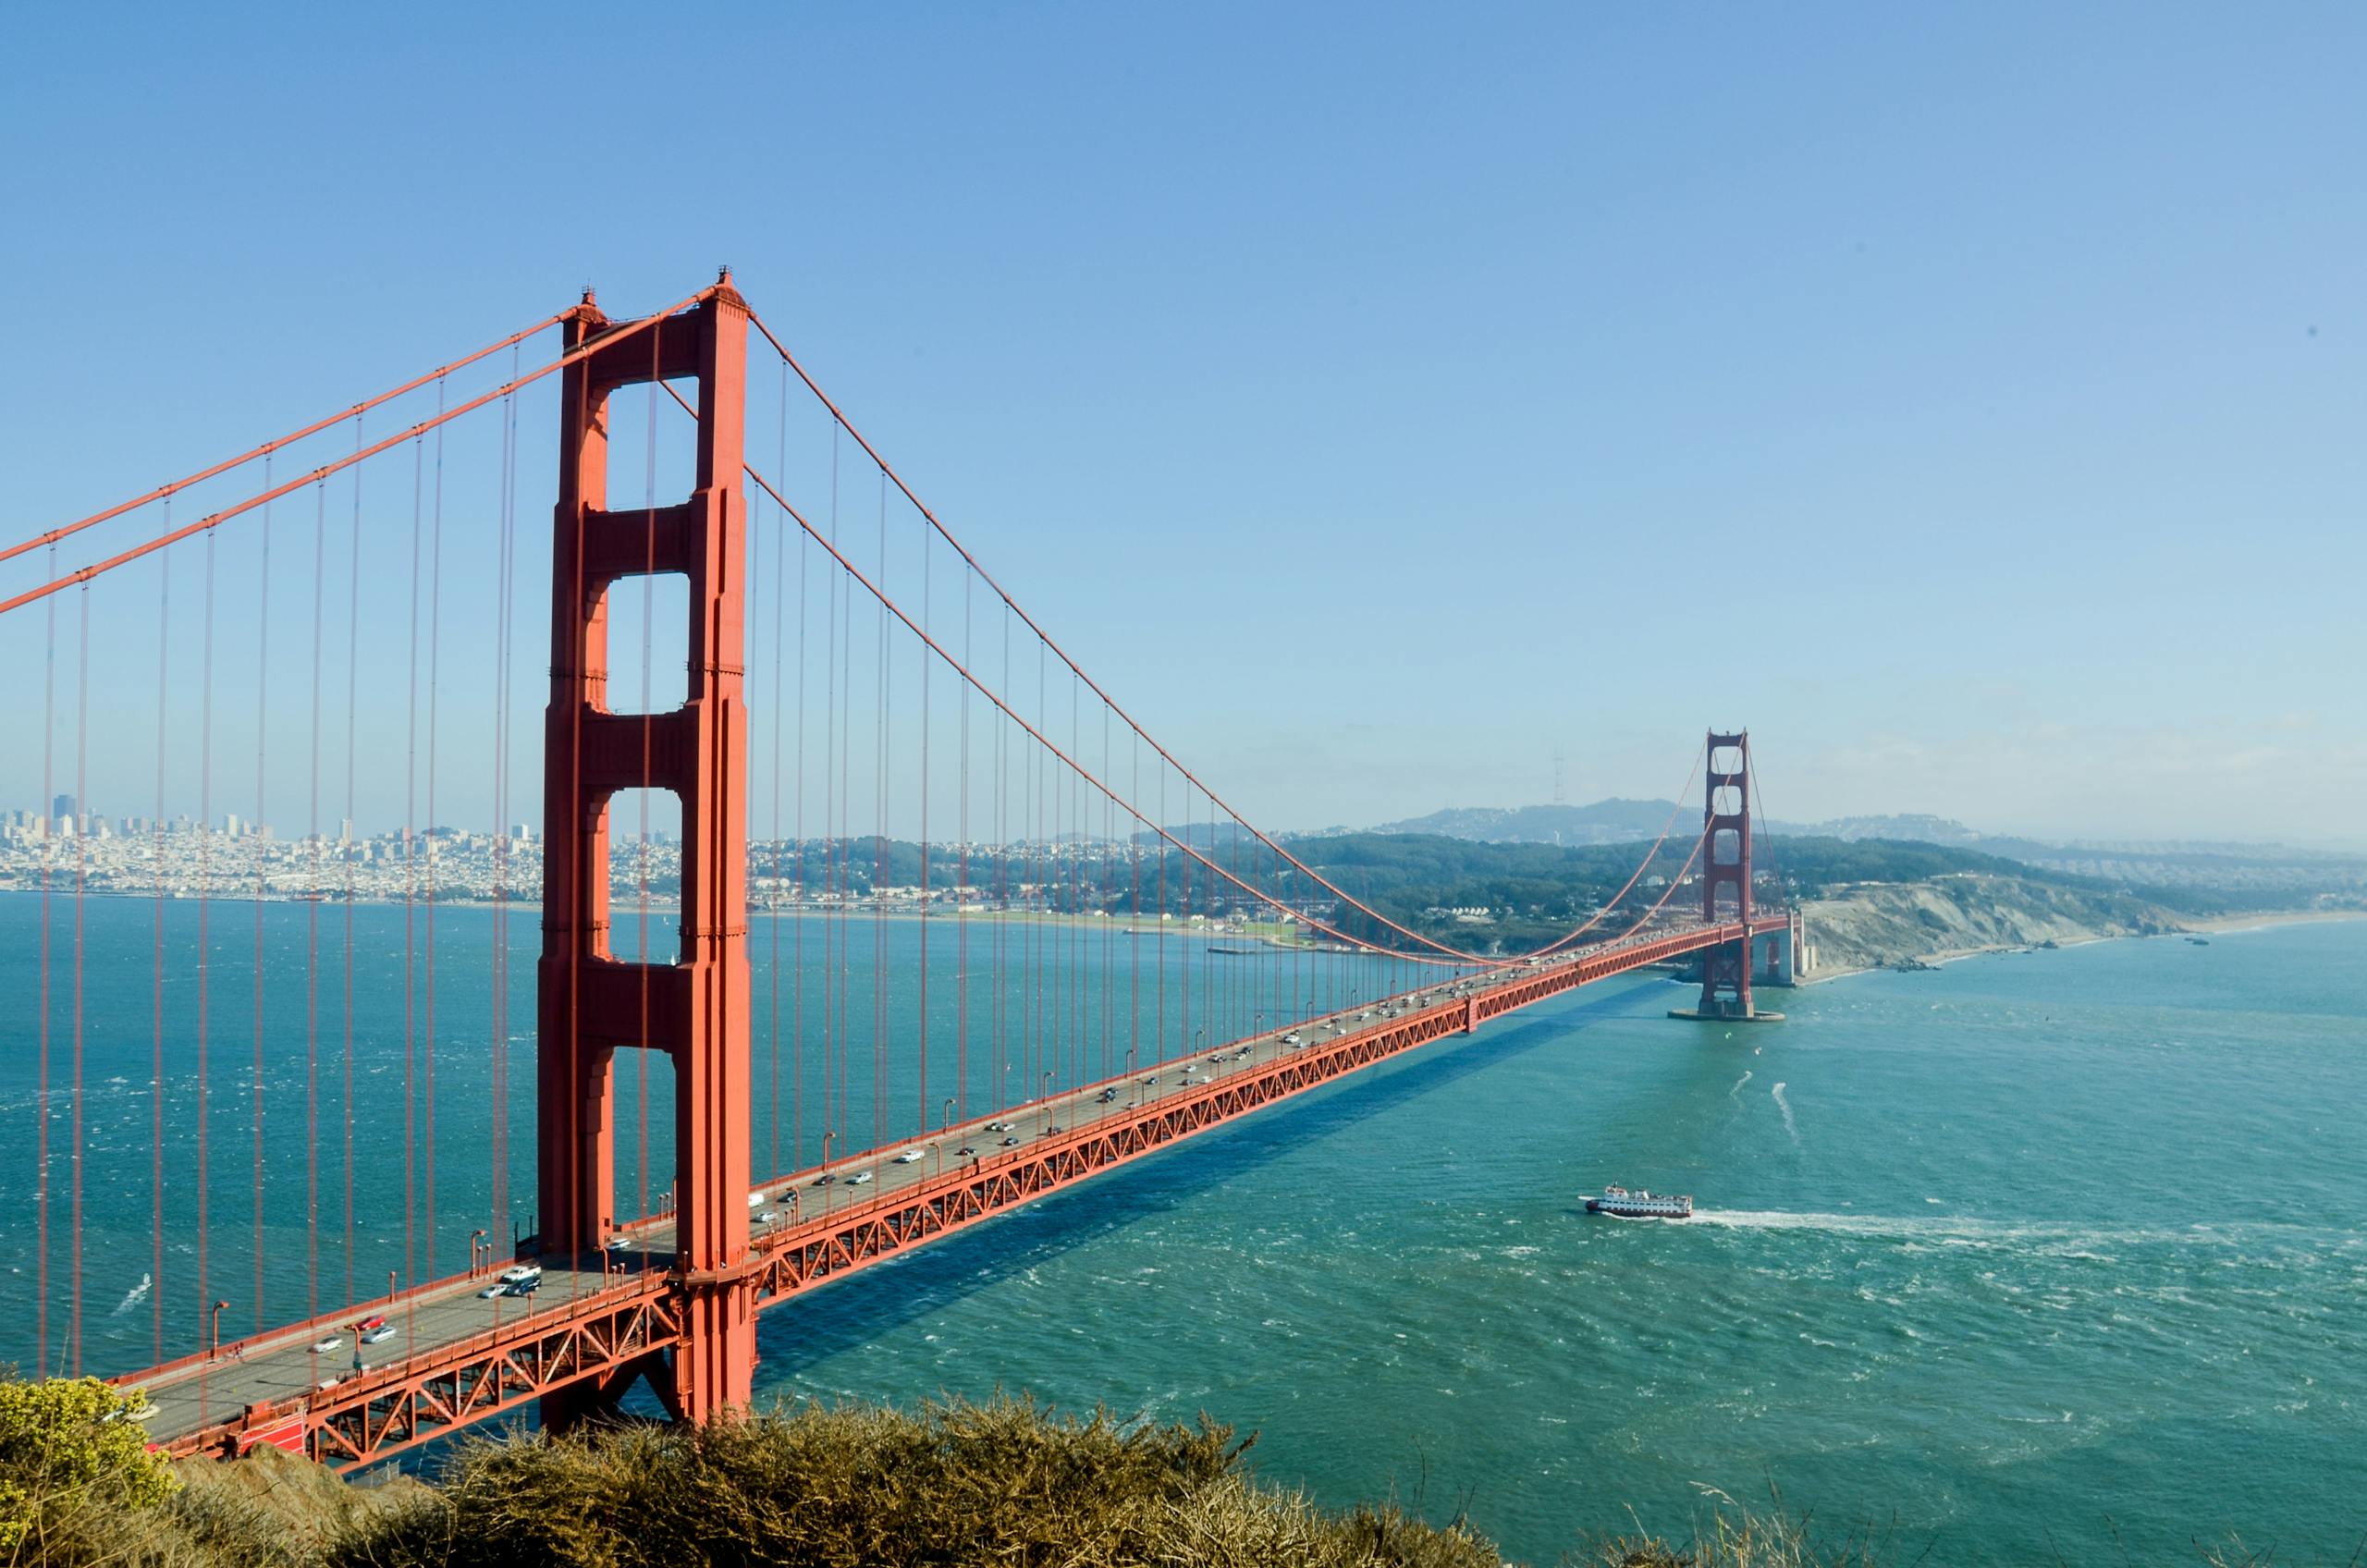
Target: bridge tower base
1725	885
592	1005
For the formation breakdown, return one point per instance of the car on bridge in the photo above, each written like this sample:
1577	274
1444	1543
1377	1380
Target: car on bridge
521	1272
909	1156
321	1347
378	1335
964	1152
1010	1141
525	1287
858	1179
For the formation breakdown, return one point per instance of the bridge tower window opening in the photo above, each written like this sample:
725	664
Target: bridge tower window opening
648	616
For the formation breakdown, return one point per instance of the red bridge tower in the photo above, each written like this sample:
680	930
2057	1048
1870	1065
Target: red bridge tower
1725	883
591	1004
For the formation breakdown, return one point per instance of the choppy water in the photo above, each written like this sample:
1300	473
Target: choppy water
2013	1258
2010	1257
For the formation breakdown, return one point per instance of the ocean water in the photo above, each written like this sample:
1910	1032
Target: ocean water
2038	1253
2042	1254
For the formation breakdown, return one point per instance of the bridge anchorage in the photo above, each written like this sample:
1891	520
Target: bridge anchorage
1726	970
1079	1025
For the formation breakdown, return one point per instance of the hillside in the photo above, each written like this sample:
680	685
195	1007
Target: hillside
1872	926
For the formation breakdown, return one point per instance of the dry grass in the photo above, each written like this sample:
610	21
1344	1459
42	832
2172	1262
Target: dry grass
1003	1483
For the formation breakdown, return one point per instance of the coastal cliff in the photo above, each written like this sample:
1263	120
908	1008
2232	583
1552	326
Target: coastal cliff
1875	926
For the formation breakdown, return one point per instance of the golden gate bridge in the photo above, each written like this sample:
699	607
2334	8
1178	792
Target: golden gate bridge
919	722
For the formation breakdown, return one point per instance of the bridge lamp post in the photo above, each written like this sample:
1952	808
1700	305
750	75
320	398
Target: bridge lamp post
945	1134
1047	1098
214	1330
827	1194
479	1239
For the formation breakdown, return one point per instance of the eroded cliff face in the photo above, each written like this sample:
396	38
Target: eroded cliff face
1878	924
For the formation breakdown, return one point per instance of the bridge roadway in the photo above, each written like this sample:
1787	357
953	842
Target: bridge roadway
458	1355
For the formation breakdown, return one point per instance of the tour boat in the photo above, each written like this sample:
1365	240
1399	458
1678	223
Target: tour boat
1640	1204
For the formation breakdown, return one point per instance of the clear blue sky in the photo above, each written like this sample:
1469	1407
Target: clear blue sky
1970	401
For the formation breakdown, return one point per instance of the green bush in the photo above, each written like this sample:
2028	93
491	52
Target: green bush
66	1448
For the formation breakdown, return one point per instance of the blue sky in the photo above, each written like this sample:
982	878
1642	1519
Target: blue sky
1380	400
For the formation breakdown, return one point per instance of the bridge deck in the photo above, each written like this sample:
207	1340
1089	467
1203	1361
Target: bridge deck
457	1356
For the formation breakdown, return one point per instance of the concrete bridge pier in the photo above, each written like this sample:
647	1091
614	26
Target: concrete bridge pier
1778	956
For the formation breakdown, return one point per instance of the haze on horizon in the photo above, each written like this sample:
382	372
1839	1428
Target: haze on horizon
1381	407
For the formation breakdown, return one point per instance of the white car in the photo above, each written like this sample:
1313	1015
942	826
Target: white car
491	1290
909	1156
379	1335
321	1347
858	1179
768	1215
521	1272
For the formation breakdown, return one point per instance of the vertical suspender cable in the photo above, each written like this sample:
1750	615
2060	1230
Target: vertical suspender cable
262	868
883	677
156	992
204	941
411	881
928	584
312	892
804	893
435	689
962	890
81	888
504	623
830	819
50	831
345	838
780	548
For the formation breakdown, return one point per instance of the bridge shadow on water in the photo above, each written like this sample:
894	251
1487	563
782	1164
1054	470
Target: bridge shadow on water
842	1315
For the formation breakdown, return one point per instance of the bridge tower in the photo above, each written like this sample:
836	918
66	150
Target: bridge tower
1725	882
591	1004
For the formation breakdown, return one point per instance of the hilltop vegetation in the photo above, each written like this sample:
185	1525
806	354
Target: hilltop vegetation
1004	1483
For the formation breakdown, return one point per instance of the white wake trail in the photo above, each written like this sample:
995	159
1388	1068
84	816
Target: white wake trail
1738	1084
134	1296
1785	1107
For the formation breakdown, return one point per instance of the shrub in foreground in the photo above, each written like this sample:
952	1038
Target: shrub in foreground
1002	1483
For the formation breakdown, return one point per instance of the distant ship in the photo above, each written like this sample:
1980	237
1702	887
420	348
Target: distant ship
1619	1201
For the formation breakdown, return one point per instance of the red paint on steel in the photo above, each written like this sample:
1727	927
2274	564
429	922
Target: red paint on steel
164	492
587	1350
1725	877
589	1001
173	536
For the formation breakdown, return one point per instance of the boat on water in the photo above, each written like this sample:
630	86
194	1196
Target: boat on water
1642	1204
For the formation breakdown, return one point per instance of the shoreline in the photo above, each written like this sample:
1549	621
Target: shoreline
2263	920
